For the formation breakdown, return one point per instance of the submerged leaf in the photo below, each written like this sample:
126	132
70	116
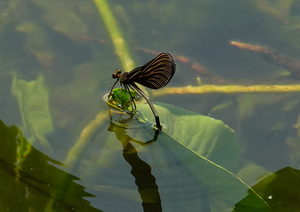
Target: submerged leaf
61	18
33	100
37	42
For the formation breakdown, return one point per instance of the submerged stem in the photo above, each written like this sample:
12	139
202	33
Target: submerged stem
115	34
205	89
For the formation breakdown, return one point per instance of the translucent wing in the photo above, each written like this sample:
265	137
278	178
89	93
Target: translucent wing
156	73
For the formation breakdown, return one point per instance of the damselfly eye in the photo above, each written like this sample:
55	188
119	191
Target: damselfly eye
116	74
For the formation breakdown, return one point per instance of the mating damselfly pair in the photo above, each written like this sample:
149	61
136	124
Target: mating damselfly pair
155	74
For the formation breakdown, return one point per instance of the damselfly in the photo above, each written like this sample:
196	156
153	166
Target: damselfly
155	74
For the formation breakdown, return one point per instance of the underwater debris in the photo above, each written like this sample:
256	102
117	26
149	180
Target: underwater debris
272	56
205	73
91	39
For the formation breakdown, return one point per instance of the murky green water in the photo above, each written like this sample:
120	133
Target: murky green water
64	149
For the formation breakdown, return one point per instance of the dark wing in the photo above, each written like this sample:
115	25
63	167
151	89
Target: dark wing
156	73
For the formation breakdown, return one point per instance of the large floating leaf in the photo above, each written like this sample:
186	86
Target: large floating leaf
208	149
207	136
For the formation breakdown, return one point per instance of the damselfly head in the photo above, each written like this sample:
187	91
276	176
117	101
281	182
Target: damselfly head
116	74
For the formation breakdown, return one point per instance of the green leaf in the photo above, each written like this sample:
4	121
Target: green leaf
33	100
40	185
207	136
116	101
280	189
208	149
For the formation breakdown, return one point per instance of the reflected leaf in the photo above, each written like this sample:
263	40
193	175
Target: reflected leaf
41	185
208	149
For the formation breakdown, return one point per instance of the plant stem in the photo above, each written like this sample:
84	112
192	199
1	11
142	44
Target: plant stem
115	34
205	89
85	136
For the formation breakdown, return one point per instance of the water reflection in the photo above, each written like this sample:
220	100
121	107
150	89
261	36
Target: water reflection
141	171
122	123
